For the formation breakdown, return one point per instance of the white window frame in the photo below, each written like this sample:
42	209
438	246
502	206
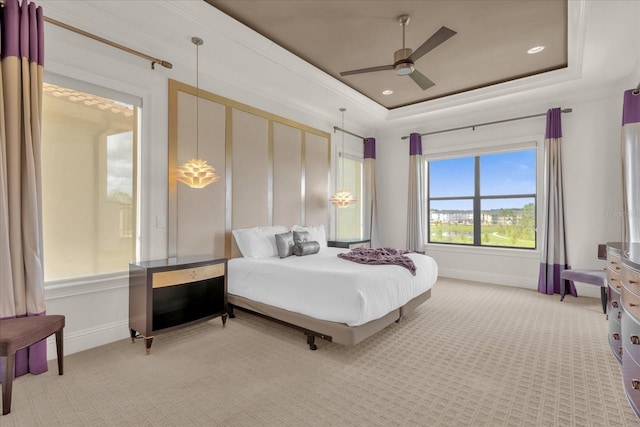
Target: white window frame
486	148
131	99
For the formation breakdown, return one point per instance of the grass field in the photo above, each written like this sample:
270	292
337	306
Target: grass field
492	235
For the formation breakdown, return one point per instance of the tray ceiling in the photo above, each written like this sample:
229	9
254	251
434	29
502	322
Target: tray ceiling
489	47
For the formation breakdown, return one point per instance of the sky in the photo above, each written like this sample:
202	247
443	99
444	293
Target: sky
505	173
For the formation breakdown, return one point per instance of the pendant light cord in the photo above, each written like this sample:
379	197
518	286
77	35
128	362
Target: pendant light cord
198	42
342	153
197	101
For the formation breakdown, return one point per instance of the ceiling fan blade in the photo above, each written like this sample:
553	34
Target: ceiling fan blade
421	80
367	70
439	37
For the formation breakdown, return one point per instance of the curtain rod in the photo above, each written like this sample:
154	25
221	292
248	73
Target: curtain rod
153	60
566	110
336	128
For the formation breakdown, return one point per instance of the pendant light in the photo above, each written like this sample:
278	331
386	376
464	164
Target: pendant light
342	198
196	173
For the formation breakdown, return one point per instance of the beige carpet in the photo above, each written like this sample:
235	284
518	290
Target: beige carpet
473	355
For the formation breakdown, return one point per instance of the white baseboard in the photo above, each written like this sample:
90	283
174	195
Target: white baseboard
584	290
89	338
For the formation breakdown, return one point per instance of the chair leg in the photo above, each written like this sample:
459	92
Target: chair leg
60	350
7	383
603	297
563	289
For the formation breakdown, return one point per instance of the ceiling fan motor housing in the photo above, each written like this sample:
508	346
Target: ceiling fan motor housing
401	62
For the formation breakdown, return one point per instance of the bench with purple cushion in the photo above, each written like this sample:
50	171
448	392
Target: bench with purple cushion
16	334
593	277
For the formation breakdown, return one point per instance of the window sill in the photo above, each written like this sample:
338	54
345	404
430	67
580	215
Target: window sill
85	285
479	250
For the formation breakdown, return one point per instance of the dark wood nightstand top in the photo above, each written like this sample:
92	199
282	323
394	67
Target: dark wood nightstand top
349	243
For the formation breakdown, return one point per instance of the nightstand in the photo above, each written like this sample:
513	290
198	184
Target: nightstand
349	243
168	293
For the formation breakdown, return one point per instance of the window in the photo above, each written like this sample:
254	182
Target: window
484	200
350	222
89	145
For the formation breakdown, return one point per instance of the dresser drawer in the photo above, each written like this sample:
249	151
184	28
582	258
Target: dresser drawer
615	331
616	349
631	280
613	296
630	302
613	263
630	333
631	381
187	275
613	278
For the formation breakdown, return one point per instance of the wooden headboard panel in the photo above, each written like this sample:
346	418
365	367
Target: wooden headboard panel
273	171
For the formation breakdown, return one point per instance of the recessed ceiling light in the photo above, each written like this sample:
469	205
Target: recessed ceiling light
387	92
535	49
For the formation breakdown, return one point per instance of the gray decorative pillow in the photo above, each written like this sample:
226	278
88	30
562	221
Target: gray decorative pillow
306	248
284	242
301	236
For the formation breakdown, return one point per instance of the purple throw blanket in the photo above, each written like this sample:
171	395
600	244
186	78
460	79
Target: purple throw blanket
380	256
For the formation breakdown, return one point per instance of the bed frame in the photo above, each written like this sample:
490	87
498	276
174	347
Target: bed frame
339	333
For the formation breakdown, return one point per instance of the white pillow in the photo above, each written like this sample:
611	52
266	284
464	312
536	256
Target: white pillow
258	242
315	231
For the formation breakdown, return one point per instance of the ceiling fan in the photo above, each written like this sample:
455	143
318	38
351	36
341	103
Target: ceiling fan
404	59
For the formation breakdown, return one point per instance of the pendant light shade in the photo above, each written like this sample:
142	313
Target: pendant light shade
196	173
343	198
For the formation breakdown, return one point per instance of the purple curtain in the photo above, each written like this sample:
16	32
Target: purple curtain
21	264
369	204
554	257
415	208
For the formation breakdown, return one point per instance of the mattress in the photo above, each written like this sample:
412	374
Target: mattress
326	287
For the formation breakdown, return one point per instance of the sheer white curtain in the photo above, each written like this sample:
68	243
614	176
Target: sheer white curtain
370	210
21	266
631	173
554	258
415	208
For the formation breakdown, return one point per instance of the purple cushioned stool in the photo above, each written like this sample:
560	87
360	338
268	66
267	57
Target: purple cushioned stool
22	332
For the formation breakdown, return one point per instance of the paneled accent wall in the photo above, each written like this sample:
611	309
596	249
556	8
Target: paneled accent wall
273	171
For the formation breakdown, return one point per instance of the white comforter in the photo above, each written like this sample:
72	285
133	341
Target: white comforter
326	287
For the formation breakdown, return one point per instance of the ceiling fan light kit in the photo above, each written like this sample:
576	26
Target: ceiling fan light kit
402	64
404	59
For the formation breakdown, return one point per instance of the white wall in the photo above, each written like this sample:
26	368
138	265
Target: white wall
97	310
591	162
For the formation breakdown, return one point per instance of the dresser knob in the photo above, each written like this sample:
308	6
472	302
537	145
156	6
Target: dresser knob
632	304
614	304
635	384
616	336
635	340
633	281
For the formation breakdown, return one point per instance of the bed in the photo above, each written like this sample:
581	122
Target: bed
321	294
